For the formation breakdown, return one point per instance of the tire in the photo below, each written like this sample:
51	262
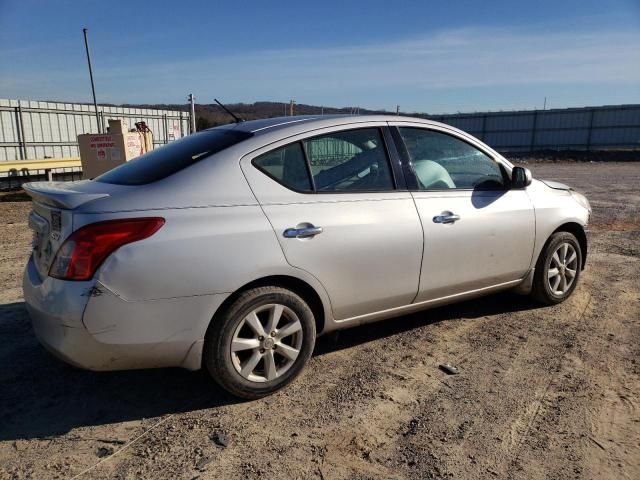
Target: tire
544	279
233	342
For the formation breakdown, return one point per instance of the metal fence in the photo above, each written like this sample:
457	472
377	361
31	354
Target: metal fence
589	128
39	130
14	180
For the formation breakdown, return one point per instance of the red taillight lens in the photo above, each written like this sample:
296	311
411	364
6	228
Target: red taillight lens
84	251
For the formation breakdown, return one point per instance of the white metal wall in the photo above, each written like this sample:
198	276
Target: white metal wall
589	128
37	130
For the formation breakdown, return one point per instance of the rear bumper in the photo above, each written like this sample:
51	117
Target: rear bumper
56	309
88	326
71	344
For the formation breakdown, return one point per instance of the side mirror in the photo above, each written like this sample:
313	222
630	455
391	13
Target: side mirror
520	177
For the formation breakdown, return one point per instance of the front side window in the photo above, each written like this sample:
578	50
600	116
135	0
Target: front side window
351	160
441	162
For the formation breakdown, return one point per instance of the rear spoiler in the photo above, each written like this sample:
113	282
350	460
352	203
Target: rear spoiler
60	194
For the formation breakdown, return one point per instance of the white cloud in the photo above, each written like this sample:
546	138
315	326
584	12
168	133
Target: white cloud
377	71
457	58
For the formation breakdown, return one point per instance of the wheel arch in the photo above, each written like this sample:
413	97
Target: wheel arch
296	285
578	231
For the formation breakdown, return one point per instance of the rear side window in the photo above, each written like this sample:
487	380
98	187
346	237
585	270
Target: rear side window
173	157
351	160
286	165
346	161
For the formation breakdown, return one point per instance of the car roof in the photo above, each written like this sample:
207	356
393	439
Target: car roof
268	130
270	125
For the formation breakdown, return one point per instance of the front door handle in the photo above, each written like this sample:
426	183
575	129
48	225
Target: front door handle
304	232
446	217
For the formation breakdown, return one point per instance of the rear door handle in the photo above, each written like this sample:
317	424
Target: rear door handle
304	232
446	217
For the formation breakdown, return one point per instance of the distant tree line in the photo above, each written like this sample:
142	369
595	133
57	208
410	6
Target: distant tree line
211	115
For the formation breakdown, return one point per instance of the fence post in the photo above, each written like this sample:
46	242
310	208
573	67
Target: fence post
19	132
590	129
24	140
484	126
533	130
192	113
166	129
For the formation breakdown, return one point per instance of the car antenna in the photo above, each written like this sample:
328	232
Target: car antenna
235	117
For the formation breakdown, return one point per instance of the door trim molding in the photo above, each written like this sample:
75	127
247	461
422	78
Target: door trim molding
415	307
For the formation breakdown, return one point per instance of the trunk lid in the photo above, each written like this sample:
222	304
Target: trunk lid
51	217
67	195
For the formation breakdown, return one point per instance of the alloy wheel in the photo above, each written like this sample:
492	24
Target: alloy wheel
266	343
562	269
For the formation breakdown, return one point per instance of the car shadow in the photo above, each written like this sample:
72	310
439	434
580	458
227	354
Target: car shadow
43	397
504	302
19	196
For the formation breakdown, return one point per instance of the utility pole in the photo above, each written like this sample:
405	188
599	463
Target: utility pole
93	87
545	103
192	112
397	109
292	104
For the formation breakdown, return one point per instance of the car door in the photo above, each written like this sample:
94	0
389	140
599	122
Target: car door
478	232
332	202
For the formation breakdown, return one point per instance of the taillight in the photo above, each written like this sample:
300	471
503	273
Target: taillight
84	251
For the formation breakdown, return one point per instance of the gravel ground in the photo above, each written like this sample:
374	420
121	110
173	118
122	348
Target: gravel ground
542	392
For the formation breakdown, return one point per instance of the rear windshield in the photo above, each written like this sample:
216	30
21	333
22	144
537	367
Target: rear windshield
173	157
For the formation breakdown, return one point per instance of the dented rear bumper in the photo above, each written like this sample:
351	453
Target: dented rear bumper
88	326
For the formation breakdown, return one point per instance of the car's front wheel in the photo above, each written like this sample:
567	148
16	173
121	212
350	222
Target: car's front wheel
558	269
260	343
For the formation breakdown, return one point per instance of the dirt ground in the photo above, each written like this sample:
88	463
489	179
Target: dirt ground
542	392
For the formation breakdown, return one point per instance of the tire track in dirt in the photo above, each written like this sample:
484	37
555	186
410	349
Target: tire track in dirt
541	420
614	417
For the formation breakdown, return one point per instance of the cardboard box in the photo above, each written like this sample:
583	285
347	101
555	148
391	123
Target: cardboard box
117	126
100	153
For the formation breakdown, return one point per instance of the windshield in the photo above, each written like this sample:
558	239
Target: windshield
173	157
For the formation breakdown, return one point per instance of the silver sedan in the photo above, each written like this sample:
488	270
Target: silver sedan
233	248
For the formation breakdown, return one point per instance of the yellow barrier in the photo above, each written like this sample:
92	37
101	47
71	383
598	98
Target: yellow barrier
40	164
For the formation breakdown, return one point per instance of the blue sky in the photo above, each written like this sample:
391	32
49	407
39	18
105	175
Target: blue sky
436	57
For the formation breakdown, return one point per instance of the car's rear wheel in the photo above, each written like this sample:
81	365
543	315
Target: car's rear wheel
558	269
260	343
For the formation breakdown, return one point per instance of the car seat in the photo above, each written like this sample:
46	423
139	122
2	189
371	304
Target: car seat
432	175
